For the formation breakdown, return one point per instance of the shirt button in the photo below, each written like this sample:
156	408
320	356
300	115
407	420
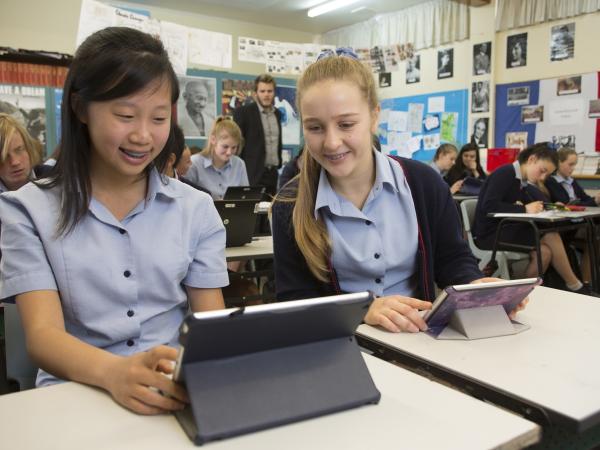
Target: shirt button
127	274
130	313
368	222
377	280
122	231
130	343
376	255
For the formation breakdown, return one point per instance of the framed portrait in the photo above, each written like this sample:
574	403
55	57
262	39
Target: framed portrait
568	85
532	114
562	42
445	63
516	50
479	135
518	95
482	57
197	106
480	96
413	69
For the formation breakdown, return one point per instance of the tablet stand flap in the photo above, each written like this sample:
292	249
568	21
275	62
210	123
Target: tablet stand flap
254	391
482	322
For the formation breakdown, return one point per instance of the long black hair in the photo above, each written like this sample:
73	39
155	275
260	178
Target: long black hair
459	170
112	63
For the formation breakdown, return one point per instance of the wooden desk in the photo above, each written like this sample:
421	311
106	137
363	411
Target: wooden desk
259	248
414	413
550	373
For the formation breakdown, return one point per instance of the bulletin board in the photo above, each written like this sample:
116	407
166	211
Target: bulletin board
562	111
415	126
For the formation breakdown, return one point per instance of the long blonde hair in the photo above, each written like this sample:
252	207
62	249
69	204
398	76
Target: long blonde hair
310	233
8	127
227	125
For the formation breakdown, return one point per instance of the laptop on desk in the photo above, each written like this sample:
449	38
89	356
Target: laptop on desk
244	193
239	218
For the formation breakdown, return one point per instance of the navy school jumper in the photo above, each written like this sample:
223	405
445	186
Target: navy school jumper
443	256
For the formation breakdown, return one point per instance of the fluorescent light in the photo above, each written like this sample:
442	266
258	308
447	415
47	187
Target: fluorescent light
329	6
360	8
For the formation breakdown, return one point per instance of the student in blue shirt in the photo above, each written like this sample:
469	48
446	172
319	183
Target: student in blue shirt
443	160
107	255
563	187
18	155
357	219
217	166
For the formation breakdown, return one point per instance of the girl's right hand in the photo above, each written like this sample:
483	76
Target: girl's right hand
534	207
456	186
397	313
141	382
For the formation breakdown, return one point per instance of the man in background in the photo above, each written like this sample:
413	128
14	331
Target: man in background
260	123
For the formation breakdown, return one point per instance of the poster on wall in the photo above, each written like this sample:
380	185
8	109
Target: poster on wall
516	50
445	63
480	96
532	114
235	93
27	104
594	109
285	102
517	139
413	69
197	106
568	85
562	42
518	96
385	79
479	136
482	56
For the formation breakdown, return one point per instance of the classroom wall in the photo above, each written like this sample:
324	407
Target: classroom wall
52	26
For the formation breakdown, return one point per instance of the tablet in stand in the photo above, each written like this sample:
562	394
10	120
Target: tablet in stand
268	365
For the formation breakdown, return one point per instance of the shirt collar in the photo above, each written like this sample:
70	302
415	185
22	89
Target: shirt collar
561	179
517	167
262	109
208	162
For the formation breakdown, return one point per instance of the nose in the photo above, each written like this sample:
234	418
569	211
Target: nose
141	134
12	160
332	139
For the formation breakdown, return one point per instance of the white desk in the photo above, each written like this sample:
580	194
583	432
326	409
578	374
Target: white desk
552	370
414	413
259	248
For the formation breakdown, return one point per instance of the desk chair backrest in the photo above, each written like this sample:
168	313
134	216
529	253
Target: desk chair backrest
19	366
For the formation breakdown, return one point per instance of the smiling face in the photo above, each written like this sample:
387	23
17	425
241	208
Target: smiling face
16	168
127	133
537	170
224	147
196	97
338	125
566	167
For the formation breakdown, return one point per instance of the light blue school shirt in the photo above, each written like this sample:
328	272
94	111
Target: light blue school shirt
216	181
435	167
374	249
567	184
120	283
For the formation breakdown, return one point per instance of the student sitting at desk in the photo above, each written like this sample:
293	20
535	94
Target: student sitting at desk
357	219
217	166
443	160
563	187
106	256
509	190
467	165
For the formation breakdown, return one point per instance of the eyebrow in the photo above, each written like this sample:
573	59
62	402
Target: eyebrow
339	116
134	105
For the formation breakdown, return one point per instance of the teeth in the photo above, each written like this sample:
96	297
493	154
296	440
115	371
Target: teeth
133	154
334	157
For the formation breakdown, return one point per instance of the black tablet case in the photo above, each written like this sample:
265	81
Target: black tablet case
271	370
244	193
239	218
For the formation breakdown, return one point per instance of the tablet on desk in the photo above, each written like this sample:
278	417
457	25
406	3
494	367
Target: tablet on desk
507	294
248	369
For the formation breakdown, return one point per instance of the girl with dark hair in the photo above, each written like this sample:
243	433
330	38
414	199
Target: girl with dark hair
106	256
355	219
508	190
467	164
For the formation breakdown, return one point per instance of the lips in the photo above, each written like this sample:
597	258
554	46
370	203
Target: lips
336	156
134	154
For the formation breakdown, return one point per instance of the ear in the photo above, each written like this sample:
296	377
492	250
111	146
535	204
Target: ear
375	119
171	160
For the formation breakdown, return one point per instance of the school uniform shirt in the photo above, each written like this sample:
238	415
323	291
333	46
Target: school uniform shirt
567	190
435	167
205	174
120	283
442	257
377	261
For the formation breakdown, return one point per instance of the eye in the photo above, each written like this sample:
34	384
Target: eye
124	116
313	128
346	125
160	119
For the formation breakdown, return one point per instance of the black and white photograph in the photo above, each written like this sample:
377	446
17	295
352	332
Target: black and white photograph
532	114
479	136
445	63
594	109
516	50
197	106
563	141
482	57
27	104
568	85
413	69
377	60
480	96
518	96
562	42
385	79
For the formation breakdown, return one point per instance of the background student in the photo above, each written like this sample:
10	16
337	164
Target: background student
358	219
508	190
467	164
443	160
217	166
563	187
18	154
106	256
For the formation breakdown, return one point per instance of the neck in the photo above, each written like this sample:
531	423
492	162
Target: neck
356	186
218	164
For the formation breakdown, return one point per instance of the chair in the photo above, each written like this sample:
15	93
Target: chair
467	209
18	365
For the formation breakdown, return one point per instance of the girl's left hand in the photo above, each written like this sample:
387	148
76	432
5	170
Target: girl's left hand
521	306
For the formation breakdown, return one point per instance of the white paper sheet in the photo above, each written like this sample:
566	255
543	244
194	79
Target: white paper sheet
175	39
251	50
209	48
415	117
436	104
397	120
